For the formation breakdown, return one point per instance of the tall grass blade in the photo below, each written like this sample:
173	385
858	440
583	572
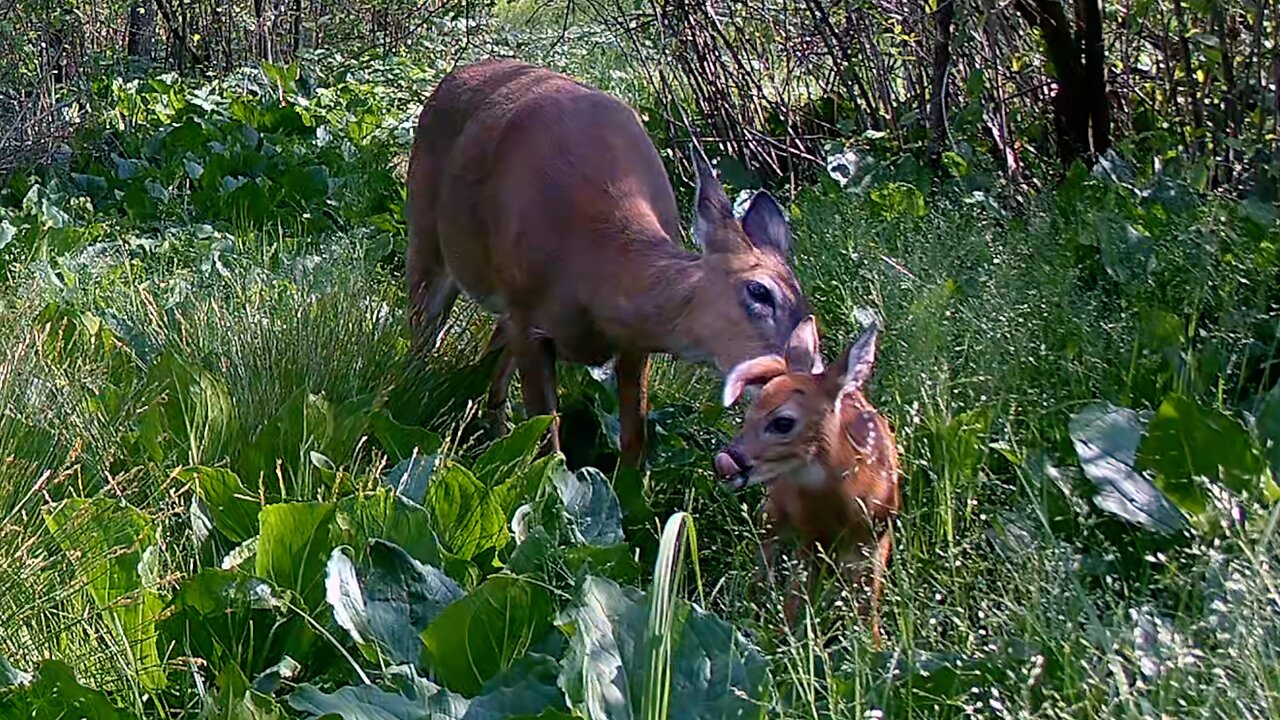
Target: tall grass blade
663	596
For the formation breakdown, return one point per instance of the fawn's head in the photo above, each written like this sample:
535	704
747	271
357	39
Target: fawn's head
795	414
747	300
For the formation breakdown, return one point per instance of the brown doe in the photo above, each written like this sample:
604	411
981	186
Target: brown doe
546	202
827	458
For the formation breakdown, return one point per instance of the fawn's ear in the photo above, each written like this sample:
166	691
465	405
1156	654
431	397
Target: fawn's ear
802	349
853	368
752	374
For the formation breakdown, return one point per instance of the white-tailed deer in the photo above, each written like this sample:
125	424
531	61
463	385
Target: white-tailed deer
828	459
546	202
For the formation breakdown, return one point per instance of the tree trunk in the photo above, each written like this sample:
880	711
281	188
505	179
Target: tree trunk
1197	106
260	28
141	29
1095	72
183	51
943	18
297	27
1071	102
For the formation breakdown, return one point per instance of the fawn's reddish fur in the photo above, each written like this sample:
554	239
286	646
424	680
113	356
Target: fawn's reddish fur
828	459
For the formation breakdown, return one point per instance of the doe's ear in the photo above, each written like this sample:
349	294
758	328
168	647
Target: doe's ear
802	353
853	368
712	211
766	225
752	374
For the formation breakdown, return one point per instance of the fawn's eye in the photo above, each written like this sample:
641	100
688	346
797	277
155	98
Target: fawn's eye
759	293
781	425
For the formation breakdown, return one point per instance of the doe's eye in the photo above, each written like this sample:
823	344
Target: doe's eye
759	293
781	425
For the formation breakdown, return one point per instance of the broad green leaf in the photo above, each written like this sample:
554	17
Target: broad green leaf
238	699
230	619
591	507
409	478
422	701
527	691
975	84
195	410
527	485
293	548
55	693
715	673
480	635
937	681
402	442
389	600
509	456
386	515
307	184
1186	442
955	164
10	676
615	562
464	512
342	592
39	203
93	185
1268	424
7	232
895	199
565	567
413	698
112	547
1106	439
576	508
231	506
138	204
270	680
304	424
604	670
125	168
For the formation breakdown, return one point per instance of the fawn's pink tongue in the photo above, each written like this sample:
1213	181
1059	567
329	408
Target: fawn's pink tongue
726	466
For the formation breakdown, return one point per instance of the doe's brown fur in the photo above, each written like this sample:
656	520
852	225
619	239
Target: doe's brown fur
828	459
545	201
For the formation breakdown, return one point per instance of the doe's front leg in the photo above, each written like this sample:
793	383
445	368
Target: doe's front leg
536	360
632	373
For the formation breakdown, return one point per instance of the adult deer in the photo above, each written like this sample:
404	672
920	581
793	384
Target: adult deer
828	459
546	202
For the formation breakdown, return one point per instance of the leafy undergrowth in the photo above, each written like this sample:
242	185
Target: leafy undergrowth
226	492
402	600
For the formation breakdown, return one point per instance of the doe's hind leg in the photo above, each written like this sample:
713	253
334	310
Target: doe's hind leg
432	291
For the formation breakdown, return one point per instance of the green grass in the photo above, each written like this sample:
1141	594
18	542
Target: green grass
154	320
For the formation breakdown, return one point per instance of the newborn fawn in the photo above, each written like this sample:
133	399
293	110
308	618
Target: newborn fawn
826	457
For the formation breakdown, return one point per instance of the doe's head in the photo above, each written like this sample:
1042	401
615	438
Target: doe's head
748	300
795	407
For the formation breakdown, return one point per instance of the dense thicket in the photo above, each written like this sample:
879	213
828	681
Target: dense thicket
1023	87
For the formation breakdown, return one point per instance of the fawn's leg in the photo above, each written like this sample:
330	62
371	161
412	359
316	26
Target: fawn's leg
879	563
